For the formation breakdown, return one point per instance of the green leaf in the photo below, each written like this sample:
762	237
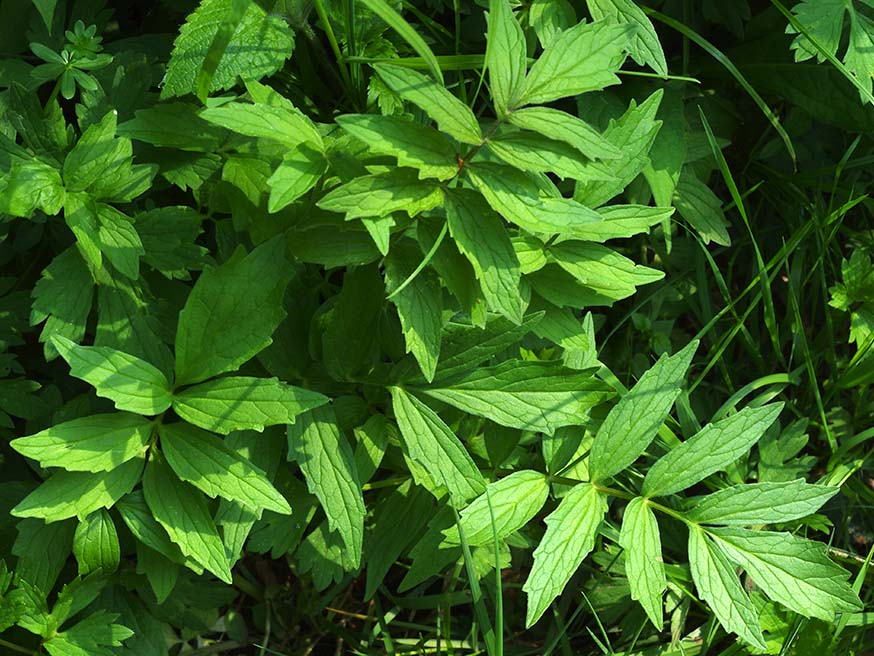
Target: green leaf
419	305
119	240
298	172
183	513
207	463
258	47
172	125
78	494
242	402
92	635
718	585
632	424
42	550
697	203
506	55
561	126
80	214
570	535
602	269
383	193
131	384
535	153
138	518
582	58
88	444
231	313
644	46
282	123
515	196
482	238
529	395
451	115
620	221
328	464
505	507
169	235
644	566
95	544
31	185
433	445
793	571
549	18
712	449
760	503
412	144
407	32
668	152
97	152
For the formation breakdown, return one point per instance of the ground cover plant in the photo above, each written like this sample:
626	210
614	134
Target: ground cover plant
436	327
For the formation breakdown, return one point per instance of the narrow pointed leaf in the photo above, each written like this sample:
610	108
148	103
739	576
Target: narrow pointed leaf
398	190
561	126
95	544
644	566
506	55
761	503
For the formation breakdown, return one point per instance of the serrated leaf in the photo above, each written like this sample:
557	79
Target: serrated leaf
718	585
284	124
88	444
92	636
169	235
529	395
183	513
298	172
570	535
602	269
97	152
516	197
419	305
561	126
760	503
118	240
619	221
549	18
697	203
535	153
29	186
77	494
242	402
582	58
791	570
207	463
80	215
231	313
482	238
712	449
258	47
433	445
172	125
506	55
511	502
412	144
644	566
138	518
328	464
130	383
383	193
644	45
632	424
95	544
451	115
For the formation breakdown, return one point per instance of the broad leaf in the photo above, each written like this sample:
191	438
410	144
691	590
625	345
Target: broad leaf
210	465
78	494
602	269
95	544
62	298
284	124
535	153
506	55
760	503
529	395
132	384
231	313
644	46
718	585
793	571
328	464
619	221
383	193
97	153
298	172
242	402
561	126
451	115
482	238
505	507
183	513
712	449
697	203
433	445
644	566
88	444
570	535
632	424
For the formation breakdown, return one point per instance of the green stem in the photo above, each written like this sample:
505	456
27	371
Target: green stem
335	46
14	647
422	264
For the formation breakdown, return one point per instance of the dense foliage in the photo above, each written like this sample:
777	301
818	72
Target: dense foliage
485	327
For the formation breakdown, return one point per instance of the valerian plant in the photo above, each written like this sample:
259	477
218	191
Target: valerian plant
361	335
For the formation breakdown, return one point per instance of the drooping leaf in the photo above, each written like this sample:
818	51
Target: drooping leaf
529	395
570	535
712	449
95	544
231	313
242	402
632	424
644	567
182	511
77	494
505	507
506	55
328	464
88	444
132	384
760	503
433	445
207	463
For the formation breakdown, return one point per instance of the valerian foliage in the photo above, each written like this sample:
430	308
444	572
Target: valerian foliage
359	333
